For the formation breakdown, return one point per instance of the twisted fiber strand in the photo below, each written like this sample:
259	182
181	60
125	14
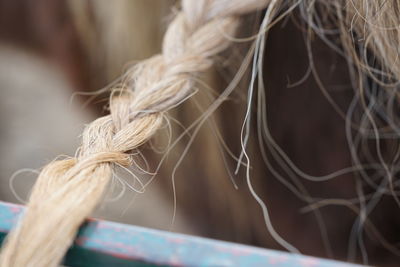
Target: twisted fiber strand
67	191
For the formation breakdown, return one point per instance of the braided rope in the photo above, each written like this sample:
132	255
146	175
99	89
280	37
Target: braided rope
67	191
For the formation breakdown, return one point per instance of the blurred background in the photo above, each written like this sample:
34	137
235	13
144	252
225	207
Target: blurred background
55	54
49	51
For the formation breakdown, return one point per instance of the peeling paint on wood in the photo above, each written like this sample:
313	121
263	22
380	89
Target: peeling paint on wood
104	243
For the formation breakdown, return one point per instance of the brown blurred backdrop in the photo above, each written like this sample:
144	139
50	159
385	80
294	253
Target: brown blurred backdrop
50	50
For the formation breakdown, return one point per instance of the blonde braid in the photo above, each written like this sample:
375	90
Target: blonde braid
67	191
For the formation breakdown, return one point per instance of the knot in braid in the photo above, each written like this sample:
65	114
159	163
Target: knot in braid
67	191
108	138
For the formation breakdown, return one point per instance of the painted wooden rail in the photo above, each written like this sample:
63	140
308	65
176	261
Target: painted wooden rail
103	243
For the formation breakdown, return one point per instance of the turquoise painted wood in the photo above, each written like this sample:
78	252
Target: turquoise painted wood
103	243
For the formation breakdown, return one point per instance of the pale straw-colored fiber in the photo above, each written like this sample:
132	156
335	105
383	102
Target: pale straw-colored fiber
364	33
68	190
